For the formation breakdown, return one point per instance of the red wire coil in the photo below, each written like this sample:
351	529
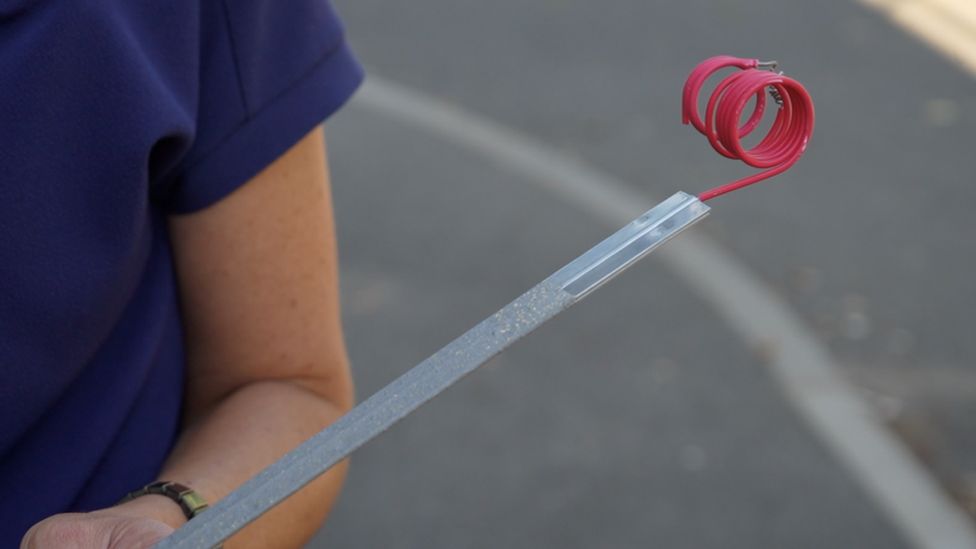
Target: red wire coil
788	136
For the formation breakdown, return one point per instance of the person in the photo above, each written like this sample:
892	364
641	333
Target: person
168	283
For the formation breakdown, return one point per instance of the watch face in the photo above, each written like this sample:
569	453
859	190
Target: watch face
194	502
189	501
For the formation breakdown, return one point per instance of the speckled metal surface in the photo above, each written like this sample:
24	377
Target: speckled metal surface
438	372
372	416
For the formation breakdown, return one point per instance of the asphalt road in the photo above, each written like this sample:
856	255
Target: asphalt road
639	418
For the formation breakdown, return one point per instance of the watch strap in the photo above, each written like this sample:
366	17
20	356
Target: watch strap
189	501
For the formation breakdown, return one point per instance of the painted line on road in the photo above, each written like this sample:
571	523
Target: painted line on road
813	382
947	25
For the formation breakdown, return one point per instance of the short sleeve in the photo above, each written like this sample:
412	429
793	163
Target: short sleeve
270	71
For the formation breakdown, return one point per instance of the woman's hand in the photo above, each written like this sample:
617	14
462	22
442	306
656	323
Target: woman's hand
136	524
97	530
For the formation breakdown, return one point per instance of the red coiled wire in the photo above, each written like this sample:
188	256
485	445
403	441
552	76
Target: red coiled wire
787	138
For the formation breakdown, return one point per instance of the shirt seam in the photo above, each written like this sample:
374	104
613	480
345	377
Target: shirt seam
235	59
274	99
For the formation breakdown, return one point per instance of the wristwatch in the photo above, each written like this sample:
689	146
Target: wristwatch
189	501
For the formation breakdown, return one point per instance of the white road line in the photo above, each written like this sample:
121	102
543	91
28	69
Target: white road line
812	381
947	25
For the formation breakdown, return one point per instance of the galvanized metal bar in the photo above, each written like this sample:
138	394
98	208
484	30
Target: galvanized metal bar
435	374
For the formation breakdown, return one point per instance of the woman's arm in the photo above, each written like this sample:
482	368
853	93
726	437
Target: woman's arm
266	364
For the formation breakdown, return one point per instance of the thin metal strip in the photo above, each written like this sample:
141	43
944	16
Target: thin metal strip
435	374
628	245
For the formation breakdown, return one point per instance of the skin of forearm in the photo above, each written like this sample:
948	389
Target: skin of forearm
246	431
266	366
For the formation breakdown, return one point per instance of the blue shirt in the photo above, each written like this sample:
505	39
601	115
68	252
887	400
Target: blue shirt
115	114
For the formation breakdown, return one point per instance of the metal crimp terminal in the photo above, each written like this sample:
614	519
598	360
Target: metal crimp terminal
777	97
772	66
